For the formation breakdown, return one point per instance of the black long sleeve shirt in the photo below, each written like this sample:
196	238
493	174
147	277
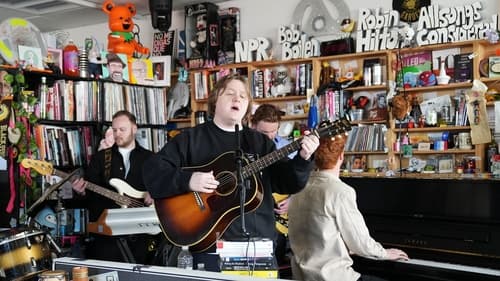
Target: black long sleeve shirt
198	146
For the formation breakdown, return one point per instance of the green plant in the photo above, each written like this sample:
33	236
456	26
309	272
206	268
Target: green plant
23	105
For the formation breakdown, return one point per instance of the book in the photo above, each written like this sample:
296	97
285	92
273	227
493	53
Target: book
254	273
413	65
163	43
462	68
257	248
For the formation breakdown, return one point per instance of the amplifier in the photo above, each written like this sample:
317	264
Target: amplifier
337	47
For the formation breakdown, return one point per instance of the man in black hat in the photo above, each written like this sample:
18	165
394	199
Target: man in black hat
115	67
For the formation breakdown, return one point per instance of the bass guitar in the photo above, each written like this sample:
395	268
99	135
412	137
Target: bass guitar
125	197
196	219
281	220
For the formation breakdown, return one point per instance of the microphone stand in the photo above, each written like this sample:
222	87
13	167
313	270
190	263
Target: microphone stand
240	182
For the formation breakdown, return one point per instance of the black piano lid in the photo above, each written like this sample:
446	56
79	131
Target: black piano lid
447	220
448	199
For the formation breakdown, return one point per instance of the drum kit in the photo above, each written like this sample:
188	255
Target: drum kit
26	252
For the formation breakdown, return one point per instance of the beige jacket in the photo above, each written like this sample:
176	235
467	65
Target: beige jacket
325	225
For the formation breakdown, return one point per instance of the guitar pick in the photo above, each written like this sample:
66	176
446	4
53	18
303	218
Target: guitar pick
14	135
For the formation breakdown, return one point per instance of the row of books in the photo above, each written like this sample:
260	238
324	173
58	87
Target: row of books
65	146
70	101
152	138
86	100
333	104
148	104
457	65
204	81
281	81
248	258
366	138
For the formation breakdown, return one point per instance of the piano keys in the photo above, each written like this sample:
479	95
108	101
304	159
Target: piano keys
424	270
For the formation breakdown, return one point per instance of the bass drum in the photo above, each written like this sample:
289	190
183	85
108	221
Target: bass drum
23	253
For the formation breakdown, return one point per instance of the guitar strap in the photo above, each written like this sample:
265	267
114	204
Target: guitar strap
107	163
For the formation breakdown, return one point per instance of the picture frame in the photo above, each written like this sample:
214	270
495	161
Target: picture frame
445	165
161	70
32	56
57	56
358	163
141	71
124	77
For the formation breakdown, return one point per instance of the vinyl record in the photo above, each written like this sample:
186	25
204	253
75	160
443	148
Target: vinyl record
18	31
409	10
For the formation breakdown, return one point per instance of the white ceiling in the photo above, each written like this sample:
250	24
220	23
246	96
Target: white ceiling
49	15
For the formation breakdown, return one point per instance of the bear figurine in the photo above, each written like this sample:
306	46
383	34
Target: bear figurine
120	22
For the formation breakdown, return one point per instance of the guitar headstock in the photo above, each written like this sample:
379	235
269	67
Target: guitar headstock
42	167
328	128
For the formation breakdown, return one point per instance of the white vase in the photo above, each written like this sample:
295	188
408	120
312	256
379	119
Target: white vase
442	69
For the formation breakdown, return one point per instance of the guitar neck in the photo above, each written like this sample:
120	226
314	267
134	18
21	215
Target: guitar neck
270	158
120	199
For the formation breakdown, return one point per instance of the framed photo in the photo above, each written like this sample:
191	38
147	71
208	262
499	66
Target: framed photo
161	70
56	55
141	71
445	165
31	56
116	67
358	163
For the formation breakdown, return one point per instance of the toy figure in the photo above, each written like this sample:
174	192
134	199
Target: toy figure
200	40
121	39
228	35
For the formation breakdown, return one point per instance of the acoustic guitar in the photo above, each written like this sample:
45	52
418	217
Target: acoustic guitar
125	197
196	219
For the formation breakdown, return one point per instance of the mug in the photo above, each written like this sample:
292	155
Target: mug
464	141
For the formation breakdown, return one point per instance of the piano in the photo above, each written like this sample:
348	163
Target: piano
450	228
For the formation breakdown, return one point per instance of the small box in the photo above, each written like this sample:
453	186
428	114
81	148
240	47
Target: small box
424	146
337	47
494	66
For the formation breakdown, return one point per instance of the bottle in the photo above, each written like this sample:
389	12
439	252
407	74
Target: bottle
416	112
80	273
70	59
492	151
201	267
42	97
185	259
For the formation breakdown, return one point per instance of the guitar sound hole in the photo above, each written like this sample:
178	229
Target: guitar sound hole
227	183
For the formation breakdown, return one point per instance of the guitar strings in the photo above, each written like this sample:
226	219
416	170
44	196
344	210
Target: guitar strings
134	203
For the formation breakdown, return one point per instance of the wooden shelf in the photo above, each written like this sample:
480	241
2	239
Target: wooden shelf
382	87
448	151
179	120
294	117
365	152
368	122
450	86
433	129
279	99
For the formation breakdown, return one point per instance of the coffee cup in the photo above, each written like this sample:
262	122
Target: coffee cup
464	140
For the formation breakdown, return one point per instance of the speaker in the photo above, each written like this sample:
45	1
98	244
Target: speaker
161	14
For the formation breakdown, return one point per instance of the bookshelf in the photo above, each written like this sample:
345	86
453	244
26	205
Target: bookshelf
327	68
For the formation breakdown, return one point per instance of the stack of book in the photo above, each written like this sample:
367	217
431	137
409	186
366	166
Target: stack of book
248	258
